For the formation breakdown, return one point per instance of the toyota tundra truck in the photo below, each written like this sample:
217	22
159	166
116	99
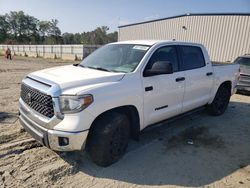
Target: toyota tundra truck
119	90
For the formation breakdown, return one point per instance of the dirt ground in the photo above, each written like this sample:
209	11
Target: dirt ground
195	151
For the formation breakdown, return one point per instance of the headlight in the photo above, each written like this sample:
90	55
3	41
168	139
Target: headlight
73	104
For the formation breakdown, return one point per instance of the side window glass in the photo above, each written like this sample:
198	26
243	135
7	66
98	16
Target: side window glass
168	54
192	57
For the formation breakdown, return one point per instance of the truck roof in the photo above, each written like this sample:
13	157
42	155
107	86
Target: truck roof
141	42
153	42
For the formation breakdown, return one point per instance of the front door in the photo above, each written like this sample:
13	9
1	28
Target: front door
163	94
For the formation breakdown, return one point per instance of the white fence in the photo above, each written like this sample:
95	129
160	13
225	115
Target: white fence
70	52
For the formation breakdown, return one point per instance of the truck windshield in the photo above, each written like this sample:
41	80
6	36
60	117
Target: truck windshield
116	57
243	61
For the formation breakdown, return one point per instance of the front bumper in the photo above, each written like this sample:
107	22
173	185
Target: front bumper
244	83
49	137
243	88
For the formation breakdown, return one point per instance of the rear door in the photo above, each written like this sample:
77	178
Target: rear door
198	77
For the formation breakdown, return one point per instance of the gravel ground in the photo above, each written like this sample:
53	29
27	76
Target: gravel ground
165	155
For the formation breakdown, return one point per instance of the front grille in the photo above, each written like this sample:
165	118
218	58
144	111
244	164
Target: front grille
37	100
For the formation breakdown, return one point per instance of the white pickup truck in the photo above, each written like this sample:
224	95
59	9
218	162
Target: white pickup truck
119	90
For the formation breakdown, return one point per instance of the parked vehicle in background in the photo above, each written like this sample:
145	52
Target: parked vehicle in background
244	80
119	90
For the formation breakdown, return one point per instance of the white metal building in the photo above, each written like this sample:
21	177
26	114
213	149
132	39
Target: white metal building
226	36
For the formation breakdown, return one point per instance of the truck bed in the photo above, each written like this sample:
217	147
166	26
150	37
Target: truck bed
220	63
226	71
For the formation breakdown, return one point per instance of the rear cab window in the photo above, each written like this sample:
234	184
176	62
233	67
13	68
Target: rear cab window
192	57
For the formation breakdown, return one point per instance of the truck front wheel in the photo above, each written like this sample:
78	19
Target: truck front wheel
220	102
108	139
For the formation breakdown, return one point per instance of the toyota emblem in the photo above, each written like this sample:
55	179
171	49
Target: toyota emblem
29	99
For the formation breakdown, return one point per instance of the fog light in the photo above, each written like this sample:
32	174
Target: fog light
63	141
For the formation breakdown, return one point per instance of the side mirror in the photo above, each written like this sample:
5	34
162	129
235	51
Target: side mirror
158	68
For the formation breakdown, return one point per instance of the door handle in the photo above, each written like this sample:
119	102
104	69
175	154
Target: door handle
209	73
149	88
180	79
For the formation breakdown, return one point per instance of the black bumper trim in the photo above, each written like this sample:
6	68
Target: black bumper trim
37	133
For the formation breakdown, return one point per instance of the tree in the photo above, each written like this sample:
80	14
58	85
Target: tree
68	38
43	29
54	30
4	29
98	36
21	28
30	29
112	37
78	38
49	32
54	33
13	20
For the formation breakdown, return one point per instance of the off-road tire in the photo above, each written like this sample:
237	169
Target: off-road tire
220	102
108	139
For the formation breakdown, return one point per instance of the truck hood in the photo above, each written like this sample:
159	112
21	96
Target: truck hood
69	76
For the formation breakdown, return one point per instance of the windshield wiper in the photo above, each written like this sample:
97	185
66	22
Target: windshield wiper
102	69
81	65
96	68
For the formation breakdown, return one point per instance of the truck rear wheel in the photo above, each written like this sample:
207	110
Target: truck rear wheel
108	140
220	102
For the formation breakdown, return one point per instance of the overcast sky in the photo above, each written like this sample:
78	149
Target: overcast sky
85	15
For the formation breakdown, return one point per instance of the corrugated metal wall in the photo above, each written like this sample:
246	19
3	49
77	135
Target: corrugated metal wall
225	36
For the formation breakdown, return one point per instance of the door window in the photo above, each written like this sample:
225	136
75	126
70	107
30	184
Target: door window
192	57
168	54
